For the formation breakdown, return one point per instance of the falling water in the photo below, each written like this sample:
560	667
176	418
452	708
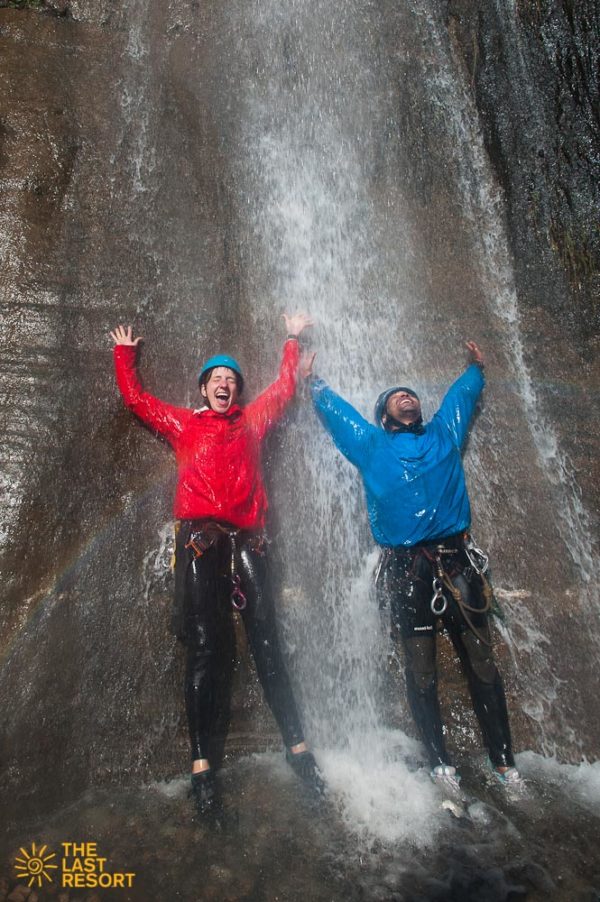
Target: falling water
312	111
320	133
481	203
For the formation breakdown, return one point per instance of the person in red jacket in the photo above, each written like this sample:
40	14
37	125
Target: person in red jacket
221	547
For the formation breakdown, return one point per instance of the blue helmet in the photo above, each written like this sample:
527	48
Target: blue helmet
222	360
382	400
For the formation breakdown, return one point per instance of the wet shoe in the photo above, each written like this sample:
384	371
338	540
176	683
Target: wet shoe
446	777
305	766
511	780
204	792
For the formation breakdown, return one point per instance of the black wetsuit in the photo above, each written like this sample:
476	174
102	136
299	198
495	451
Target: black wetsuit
405	583
202	618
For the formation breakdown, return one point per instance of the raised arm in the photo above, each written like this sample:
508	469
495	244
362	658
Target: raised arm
268	408
162	418
351	433
459	404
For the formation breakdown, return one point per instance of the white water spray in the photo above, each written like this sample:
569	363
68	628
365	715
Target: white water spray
315	99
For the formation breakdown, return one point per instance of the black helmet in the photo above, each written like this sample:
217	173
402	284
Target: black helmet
382	400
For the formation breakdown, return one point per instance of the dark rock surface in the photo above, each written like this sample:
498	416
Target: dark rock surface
533	68
90	239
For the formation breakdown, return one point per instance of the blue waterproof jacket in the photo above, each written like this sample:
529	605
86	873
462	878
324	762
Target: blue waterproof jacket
415	484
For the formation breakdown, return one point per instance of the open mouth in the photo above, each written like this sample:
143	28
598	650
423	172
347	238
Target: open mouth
222	396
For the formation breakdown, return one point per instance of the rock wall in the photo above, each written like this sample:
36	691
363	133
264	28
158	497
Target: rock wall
533	71
115	209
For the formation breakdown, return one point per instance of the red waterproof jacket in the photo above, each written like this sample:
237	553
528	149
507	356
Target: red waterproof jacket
218	455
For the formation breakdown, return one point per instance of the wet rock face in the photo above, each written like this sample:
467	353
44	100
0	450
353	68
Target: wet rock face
124	200
99	203
533	70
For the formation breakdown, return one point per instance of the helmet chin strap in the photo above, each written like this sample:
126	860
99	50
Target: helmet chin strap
415	425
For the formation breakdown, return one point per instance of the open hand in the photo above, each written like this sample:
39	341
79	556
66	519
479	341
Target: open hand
124	336
296	324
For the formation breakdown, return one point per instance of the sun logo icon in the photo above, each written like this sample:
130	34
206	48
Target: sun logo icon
35	865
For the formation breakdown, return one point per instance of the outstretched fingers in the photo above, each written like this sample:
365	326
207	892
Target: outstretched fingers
124	336
296	323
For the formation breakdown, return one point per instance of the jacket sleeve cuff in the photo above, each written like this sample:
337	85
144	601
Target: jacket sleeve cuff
125	352
316	385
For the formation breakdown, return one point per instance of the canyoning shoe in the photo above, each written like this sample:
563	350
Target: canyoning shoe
305	766
511	781
204	792
446	777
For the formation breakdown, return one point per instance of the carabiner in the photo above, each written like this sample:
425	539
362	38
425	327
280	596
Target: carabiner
477	558
238	599
437	594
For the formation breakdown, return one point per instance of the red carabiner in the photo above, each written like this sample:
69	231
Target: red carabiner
238	599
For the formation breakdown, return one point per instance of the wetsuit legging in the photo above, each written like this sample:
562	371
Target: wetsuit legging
203	596
405	581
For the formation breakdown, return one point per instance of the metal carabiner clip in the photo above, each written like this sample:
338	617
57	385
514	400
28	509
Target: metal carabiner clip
477	558
238	599
438	594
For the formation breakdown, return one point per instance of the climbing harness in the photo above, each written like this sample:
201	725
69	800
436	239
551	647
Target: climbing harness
442	580
201	540
442	585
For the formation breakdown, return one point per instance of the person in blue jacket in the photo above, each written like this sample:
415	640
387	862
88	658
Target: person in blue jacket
429	569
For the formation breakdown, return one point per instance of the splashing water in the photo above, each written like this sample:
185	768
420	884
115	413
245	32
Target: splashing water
482	205
314	88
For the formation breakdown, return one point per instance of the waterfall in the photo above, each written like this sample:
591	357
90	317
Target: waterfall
333	220
206	170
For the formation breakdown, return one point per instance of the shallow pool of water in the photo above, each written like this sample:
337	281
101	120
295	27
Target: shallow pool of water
273	842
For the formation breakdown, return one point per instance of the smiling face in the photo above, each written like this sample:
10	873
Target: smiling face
221	389
404	407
